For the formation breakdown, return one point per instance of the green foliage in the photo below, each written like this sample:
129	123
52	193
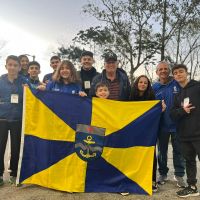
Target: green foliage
138	31
72	53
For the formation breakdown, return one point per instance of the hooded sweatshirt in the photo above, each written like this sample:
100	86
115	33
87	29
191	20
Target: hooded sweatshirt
188	124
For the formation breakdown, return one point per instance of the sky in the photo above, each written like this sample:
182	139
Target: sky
38	27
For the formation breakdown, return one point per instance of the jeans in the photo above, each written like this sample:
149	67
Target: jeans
15	136
178	160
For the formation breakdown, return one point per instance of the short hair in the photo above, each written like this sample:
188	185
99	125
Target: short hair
34	63
23	56
178	66
101	84
12	57
163	62
72	79
87	53
55	58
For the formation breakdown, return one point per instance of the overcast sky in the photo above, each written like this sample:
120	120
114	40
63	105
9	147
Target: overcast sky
48	19
38	26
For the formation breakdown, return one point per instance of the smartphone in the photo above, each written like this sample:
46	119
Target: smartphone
186	101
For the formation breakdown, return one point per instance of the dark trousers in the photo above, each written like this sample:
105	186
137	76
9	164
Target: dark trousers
15	135
154	166
178	160
190	151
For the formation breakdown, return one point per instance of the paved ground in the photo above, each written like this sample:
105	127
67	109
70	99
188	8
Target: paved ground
32	192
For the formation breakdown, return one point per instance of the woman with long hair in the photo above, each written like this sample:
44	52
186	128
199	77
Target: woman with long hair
142	91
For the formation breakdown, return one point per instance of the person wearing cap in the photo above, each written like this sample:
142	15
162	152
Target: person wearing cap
87	72
116	79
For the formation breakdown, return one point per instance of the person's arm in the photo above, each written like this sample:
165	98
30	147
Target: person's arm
50	85
131	96
163	105
81	93
128	90
41	87
44	79
177	111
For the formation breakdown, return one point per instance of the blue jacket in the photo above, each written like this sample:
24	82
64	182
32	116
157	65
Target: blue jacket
124	84
166	92
24	74
11	111
47	77
71	88
33	84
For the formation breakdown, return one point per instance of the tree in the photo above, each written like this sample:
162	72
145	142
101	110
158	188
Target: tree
130	30
138	31
185	41
176	17
72	53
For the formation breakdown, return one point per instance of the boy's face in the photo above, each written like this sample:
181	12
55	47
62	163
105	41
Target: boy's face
54	63
24	63
87	62
13	67
102	92
180	75
33	71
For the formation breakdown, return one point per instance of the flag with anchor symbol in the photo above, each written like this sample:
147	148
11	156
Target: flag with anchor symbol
81	144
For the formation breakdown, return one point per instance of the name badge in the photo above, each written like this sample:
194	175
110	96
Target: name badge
87	84
14	98
186	101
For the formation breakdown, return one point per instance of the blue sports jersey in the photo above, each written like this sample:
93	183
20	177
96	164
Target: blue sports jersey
71	88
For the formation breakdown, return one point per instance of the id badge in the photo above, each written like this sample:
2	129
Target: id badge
87	84
186	101
14	98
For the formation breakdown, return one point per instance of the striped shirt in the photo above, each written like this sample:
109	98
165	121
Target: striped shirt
114	89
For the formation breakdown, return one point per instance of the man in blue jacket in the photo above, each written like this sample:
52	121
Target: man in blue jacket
114	77
165	89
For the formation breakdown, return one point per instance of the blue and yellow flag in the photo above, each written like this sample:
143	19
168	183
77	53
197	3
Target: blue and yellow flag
78	144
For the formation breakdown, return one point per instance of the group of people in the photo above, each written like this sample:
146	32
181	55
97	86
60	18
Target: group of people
179	98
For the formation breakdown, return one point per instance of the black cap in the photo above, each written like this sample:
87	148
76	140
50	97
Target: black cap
87	53
110	56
